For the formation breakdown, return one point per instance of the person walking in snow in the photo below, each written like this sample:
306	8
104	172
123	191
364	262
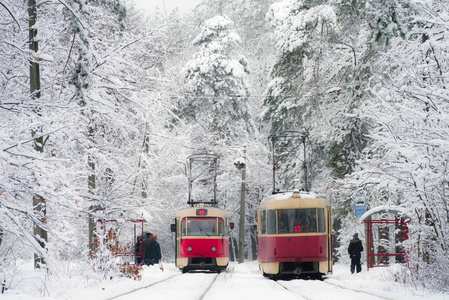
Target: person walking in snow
354	250
138	249
145	242
153	251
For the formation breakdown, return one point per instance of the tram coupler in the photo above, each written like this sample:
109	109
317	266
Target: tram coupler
297	271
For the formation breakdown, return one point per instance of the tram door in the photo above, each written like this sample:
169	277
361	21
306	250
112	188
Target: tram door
174	228
329	240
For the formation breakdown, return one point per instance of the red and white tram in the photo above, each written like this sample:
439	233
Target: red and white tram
295	235
202	238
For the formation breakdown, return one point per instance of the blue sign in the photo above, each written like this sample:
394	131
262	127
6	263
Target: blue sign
359	205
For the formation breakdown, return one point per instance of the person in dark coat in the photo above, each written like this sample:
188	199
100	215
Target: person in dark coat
153	251
138	250
145	242
354	250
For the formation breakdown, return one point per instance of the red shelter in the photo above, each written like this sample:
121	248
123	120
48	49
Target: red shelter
382	242
123	246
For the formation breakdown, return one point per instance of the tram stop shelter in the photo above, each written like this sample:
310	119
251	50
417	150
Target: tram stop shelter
120	237
386	228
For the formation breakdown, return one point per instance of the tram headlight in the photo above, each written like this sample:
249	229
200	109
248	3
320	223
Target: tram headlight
214	249
189	249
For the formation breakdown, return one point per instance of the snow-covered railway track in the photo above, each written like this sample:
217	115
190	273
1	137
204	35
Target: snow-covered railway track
294	292
188	286
377	295
208	288
317	290
142	288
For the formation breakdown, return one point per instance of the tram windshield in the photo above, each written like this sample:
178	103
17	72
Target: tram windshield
300	220
202	226
283	221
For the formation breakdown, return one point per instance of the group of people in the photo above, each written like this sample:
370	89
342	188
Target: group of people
150	248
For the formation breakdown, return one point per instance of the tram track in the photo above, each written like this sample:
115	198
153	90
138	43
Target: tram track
208	288
294	292
312	294
144	287
359	291
209	279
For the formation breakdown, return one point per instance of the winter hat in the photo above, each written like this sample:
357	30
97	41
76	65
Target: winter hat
356	235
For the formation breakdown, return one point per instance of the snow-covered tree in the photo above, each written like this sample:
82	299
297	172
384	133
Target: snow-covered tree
217	108
407	159
216	83
303	79
98	117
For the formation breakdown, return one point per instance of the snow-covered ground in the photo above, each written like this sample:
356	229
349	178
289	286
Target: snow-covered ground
241	281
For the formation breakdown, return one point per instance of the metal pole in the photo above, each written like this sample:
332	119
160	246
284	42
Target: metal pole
242	212
274	168
306	186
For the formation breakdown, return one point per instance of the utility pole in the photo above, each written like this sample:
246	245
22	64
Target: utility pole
306	185
242	165
39	203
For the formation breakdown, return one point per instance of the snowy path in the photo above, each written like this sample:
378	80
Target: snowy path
195	283
239	282
245	282
317	290
211	286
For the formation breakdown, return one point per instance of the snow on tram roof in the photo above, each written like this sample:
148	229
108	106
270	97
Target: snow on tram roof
212	211
287	199
288	195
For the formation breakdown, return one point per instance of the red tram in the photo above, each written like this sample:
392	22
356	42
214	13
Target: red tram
202	238
295	235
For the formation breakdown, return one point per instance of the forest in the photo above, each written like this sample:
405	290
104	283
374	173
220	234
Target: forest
101	104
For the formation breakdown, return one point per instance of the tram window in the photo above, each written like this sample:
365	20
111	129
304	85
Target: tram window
283	221
321	220
183	226
220	227
204	226
300	220
271	221
263	222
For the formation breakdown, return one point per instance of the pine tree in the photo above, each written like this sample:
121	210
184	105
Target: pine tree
302	78
216	83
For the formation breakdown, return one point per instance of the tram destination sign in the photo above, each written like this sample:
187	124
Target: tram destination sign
201	212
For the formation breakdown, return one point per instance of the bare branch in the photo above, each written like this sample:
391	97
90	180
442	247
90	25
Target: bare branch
4	5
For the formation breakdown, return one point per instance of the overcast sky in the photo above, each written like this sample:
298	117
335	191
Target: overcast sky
183	5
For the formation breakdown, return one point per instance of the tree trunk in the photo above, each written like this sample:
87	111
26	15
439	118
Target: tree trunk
35	83
39	203
92	209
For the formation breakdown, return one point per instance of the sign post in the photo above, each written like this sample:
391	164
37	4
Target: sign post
359	205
